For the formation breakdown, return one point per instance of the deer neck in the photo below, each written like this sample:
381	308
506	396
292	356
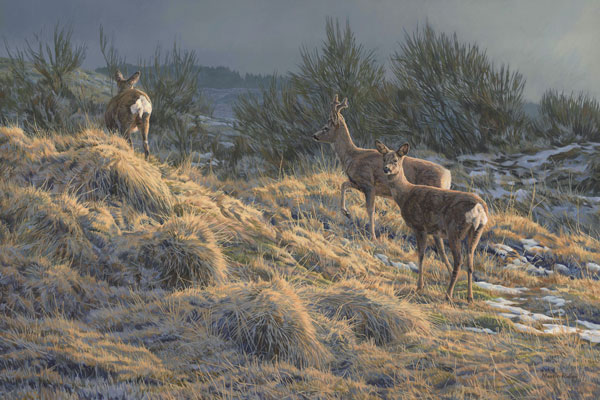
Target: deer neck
399	185
343	145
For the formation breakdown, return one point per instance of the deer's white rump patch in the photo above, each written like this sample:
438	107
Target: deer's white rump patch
142	105
476	216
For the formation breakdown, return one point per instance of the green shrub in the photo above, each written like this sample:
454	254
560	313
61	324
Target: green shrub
566	118
448	96
37	89
280	121
171	81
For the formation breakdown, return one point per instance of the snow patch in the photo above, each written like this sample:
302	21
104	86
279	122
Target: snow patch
593	267
411	266
557	301
526	328
384	259
523	314
500	288
479	330
559	329
589	325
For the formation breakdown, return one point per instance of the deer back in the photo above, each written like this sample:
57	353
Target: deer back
126	106
438	210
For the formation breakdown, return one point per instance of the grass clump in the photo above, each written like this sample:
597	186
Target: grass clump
269	320
34	286
182	252
46	225
495	323
372	314
106	172
20	154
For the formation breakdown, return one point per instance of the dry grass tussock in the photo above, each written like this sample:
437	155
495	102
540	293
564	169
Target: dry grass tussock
129	278
21	155
181	252
370	313
35	287
49	226
104	172
269	320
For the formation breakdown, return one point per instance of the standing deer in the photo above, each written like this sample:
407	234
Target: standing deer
129	111
364	168
430	210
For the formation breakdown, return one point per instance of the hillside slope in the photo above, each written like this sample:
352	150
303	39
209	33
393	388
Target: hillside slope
130	279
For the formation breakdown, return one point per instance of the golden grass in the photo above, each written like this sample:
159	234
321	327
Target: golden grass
124	278
20	155
181	252
269	320
46	225
105	172
371	314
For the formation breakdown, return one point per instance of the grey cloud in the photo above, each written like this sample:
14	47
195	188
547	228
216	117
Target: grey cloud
552	42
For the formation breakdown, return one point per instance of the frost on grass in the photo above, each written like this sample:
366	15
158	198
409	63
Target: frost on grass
269	320
179	253
372	314
124	278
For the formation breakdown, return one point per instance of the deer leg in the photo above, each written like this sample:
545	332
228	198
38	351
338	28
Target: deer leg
370	200
456	255
474	237
421	246
345	187
439	244
143	127
127	133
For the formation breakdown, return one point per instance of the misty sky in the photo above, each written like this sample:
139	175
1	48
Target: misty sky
554	43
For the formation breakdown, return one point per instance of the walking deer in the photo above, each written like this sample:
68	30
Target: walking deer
364	168
428	210
129	111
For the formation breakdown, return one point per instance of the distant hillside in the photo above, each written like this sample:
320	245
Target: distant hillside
215	77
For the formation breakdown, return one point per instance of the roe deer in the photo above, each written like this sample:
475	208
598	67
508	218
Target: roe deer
429	210
129	111
364	168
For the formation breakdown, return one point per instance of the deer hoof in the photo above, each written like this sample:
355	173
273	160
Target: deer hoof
346	213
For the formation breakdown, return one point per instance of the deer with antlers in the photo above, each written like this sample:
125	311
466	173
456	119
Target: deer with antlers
430	210
129	111
364	168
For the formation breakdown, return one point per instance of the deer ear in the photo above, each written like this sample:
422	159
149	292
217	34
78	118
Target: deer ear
344	104
403	150
382	148
119	76
132	80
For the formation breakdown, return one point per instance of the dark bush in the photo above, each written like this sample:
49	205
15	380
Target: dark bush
448	96
36	89
566	118
171	80
280	121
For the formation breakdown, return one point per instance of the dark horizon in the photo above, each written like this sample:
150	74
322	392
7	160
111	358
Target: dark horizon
552	43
